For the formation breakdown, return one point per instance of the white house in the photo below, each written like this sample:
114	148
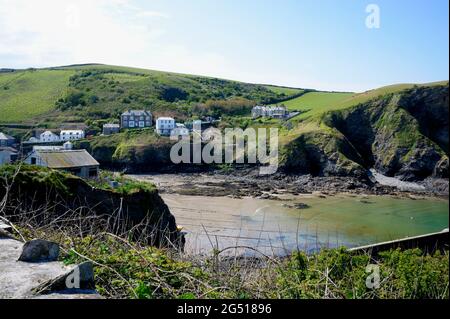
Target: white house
48	137
71	135
270	111
66	146
164	125
180	130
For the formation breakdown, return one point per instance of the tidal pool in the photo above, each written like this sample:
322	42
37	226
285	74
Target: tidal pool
277	227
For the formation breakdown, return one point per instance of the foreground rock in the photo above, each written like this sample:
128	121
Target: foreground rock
38	250
19	280
140	212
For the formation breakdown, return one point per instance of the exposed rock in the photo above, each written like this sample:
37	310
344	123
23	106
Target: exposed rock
402	135
19	279
38	250
143	212
441	168
297	206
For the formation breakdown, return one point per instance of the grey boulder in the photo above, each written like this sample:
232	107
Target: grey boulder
38	250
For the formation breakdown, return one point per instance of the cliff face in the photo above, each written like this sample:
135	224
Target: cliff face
52	196
403	135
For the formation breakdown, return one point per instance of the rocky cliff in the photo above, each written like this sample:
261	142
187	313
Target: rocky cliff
45	196
403	135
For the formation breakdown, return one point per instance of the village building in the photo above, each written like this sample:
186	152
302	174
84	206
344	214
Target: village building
180	130
48	137
77	162
71	135
164	125
65	146
136	119
279	112
109	129
6	140
8	155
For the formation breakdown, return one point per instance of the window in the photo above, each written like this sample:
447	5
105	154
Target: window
131	124
33	161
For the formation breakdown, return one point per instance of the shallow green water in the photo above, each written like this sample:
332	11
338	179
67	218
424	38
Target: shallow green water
352	221
275	227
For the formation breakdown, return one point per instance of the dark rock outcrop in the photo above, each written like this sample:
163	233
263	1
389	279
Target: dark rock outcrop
50	195
403	134
39	250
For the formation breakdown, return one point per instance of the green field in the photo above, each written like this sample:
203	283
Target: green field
284	90
26	94
314	104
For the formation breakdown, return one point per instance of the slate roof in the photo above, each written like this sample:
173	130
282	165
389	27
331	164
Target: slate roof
136	113
67	159
109	125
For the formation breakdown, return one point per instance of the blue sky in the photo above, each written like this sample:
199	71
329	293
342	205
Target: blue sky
323	44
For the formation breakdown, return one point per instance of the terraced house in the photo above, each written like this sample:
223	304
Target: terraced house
136	119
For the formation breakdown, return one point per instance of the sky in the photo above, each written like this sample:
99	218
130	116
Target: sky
342	45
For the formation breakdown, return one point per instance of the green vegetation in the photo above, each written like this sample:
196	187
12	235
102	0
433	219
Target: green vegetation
284	90
137	147
28	94
125	270
61	181
316	103
125	186
35	175
100	92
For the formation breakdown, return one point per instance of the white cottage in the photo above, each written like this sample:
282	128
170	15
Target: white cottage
48	137
164	125
71	135
180	130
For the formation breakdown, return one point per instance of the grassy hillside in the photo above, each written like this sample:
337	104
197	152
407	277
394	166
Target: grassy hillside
26	94
314	104
77	93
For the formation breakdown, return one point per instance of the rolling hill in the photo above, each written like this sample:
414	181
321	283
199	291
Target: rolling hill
74	93
400	129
